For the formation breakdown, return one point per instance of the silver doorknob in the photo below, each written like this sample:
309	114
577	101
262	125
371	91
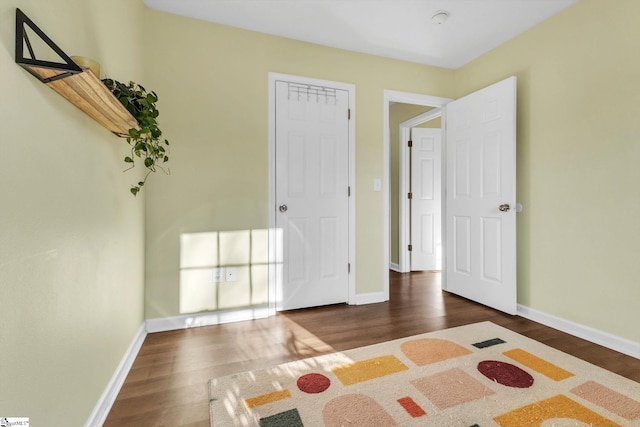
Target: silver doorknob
504	207
283	208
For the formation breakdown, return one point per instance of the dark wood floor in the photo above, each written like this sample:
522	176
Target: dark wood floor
167	385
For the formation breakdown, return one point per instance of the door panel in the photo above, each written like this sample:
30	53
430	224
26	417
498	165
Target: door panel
312	160
461	169
295	154
462	246
296	248
481	243
426	203
328	243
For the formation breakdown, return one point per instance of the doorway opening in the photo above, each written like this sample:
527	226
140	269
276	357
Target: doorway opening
432	109
478	230
419	198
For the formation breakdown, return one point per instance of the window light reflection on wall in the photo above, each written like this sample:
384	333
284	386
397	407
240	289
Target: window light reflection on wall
222	270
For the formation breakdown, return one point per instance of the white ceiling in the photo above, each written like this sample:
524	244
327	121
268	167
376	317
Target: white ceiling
399	29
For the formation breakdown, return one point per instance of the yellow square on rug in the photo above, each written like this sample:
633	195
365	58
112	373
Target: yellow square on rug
475	375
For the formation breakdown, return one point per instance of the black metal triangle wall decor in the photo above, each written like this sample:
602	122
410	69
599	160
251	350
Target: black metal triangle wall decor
33	64
78	85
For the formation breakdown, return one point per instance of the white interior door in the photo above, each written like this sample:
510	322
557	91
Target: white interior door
426	200
481	196
311	193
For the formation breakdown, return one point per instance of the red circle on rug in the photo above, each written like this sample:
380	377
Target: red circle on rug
505	373
313	383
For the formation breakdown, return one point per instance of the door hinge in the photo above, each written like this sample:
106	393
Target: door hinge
410	248
410	196
349	191
349	268
410	143
348	113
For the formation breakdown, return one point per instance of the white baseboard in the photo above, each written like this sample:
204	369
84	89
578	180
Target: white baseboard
394	267
371	298
204	319
605	339
102	408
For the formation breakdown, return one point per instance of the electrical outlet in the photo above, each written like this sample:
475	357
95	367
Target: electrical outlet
231	274
218	275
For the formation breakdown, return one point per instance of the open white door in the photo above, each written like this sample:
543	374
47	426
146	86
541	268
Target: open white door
481	196
426	200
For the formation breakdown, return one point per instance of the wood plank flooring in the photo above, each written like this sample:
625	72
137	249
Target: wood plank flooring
167	385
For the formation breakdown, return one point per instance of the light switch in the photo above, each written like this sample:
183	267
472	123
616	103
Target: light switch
218	275
377	184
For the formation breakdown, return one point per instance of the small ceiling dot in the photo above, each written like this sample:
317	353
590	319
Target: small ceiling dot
440	17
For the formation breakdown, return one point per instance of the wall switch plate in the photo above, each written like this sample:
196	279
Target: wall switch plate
218	275
377	184
231	274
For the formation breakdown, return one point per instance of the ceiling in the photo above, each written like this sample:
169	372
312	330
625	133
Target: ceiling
399	29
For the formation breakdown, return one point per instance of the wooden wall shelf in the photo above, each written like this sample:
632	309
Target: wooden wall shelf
88	93
76	84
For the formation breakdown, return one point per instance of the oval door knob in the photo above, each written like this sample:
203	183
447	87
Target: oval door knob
283	208
504	207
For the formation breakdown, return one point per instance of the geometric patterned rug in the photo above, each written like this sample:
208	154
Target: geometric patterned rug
475	375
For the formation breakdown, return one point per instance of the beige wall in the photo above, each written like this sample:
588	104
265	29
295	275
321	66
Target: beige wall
212	82
578	156
71	234
576	253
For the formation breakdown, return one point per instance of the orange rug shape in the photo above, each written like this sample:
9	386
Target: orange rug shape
539	365
267	398
556	407
432	350
411	407
370	369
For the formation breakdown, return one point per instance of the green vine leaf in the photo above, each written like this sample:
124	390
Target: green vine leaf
144	142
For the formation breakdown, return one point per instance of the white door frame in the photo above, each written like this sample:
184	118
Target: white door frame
275	258
404	208
406	98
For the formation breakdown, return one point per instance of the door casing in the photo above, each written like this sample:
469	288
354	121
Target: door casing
404	214
406	98
275	260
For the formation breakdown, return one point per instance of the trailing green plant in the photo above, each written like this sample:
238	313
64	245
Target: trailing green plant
145	142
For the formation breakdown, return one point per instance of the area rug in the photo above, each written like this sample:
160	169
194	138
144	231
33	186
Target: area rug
476	375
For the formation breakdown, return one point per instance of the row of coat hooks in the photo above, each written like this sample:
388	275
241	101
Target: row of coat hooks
301	91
